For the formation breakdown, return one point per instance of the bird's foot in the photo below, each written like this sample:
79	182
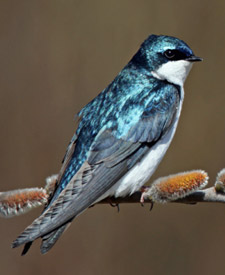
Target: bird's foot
151	207
144	190
114	204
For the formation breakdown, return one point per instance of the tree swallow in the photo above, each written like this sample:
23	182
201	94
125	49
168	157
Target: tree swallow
121	137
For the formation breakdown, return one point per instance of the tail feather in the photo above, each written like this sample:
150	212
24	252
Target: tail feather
26	248
49	240
50	221
31	233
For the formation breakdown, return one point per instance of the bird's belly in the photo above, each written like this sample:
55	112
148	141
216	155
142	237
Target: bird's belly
143	170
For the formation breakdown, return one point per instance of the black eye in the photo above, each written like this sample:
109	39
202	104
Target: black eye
175	55
169	54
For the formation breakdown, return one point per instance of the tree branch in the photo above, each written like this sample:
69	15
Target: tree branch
206	195
179	188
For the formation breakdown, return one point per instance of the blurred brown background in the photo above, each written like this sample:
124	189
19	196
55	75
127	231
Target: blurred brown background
55	56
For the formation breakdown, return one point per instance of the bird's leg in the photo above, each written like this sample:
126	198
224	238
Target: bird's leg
151	207
113	204
143	190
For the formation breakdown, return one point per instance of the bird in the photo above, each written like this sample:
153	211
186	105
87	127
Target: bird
121	137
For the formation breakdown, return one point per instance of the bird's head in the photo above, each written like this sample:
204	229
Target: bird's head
167	58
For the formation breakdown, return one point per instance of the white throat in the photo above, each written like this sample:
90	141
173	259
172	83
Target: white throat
173	71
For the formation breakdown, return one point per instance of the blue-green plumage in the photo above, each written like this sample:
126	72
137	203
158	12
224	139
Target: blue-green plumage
121	137
144	97
120	106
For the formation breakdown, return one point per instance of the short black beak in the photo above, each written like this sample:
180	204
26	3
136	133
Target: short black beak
193	58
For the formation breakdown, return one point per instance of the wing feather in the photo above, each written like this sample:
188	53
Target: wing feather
91	182
108	160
